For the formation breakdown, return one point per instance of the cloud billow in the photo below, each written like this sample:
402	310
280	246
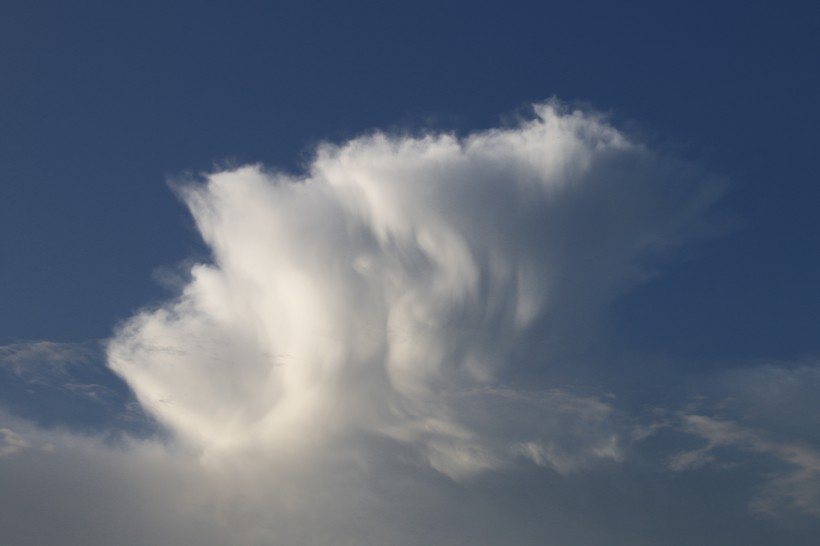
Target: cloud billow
391	283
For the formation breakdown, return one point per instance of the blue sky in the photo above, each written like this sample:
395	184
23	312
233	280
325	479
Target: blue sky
673	338
103	103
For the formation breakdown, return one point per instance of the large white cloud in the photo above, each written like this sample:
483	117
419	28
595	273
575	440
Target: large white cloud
363	361
394	281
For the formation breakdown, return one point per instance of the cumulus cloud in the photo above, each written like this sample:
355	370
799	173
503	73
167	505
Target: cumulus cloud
398	274
363	360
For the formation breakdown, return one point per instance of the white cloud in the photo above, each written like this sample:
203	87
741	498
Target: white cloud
362	362
396	273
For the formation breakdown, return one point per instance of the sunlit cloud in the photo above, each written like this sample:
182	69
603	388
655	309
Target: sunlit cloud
363	360
398	274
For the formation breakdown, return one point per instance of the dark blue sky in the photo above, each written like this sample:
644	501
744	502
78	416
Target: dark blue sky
102	102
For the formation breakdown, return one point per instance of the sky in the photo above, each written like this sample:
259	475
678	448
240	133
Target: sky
420	273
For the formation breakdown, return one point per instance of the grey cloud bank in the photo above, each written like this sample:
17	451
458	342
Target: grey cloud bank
359	363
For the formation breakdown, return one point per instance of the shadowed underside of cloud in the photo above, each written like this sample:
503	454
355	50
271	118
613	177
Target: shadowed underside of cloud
359	363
